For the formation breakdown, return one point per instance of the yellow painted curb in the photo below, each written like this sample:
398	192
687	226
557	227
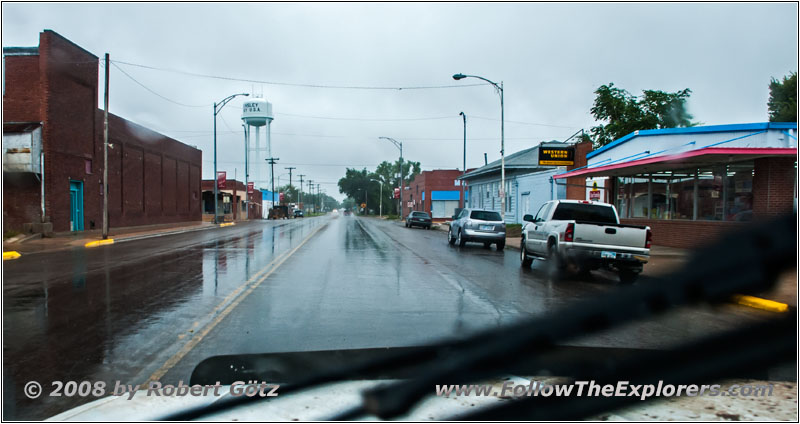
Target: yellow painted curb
759	303
99	243
11	255
227	224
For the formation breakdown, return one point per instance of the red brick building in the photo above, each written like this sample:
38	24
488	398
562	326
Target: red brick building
230	201
691	184
50	115
437	192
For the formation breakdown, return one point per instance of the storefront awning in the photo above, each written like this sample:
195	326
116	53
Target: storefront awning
692	159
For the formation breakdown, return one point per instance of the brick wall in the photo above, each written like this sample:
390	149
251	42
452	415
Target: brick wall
22	99
153	179
576	186
773	186
684	234
428	181
21	200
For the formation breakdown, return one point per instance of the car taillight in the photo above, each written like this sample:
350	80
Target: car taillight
649	239
569	234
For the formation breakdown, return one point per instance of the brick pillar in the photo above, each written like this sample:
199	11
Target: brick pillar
773	186
576	189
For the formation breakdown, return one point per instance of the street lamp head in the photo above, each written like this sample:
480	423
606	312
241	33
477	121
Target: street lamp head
462	114
459	76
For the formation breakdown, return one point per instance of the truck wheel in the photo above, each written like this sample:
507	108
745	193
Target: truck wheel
523	255
554	258
450	238
461	242
627	276
501	245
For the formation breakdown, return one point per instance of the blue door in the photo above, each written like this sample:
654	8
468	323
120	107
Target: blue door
76	205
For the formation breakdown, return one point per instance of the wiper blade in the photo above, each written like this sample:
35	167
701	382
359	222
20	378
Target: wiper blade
744	262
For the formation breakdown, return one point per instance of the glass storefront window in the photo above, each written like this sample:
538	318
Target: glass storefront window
739	193
718	193
640	202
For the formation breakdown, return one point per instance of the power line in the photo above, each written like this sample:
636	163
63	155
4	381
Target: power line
523	123
346	87
153	92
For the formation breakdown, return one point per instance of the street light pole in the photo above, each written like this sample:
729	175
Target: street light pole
464	199
246	174
499	87
380	208
289	191
221	104
399	145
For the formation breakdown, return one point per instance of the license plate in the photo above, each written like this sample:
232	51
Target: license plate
608	255
487	227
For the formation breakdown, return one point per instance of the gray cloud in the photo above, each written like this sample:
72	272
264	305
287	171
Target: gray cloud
551	58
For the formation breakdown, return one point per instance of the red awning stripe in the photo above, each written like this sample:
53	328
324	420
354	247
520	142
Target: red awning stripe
766	151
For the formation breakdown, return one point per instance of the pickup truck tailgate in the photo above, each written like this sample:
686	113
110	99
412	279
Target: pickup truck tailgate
609	234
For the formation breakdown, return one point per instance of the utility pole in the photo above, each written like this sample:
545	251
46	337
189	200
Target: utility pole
311	193
105	155
272	162
301	188
399	145
320	198
290	178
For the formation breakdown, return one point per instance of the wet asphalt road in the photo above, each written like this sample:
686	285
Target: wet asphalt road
154	308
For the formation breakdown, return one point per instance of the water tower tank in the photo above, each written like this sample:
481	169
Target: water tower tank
257	112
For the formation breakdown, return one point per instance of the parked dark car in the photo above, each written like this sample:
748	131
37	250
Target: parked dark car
298	213
420	219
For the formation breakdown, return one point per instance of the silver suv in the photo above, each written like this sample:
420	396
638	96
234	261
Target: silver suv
477	225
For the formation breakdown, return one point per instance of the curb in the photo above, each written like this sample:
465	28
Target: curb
759	303
12	254
96	243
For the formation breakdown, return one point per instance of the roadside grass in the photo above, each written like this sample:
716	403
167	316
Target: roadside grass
513	230
393	217
10	233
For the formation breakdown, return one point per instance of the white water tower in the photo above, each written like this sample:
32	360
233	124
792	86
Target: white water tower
257	112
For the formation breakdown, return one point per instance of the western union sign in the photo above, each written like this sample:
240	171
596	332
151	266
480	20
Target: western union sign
558	155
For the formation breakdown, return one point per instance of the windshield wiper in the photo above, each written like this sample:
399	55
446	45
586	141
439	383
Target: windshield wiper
744	262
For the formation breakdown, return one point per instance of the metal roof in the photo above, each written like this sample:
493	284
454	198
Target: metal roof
524	159
695	130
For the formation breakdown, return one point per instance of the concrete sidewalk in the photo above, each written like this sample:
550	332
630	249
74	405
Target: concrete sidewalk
72	240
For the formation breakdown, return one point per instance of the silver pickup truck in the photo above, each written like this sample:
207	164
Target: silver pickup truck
587	235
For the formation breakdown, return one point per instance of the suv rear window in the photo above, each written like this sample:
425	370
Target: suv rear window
420	214
485	216
585	212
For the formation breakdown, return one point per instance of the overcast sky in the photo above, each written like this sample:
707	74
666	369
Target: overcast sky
551	58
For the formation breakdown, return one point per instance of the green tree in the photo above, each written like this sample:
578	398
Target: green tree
358	185
624	113
290	193
782	103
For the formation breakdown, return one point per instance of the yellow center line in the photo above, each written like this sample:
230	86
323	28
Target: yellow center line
172	361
